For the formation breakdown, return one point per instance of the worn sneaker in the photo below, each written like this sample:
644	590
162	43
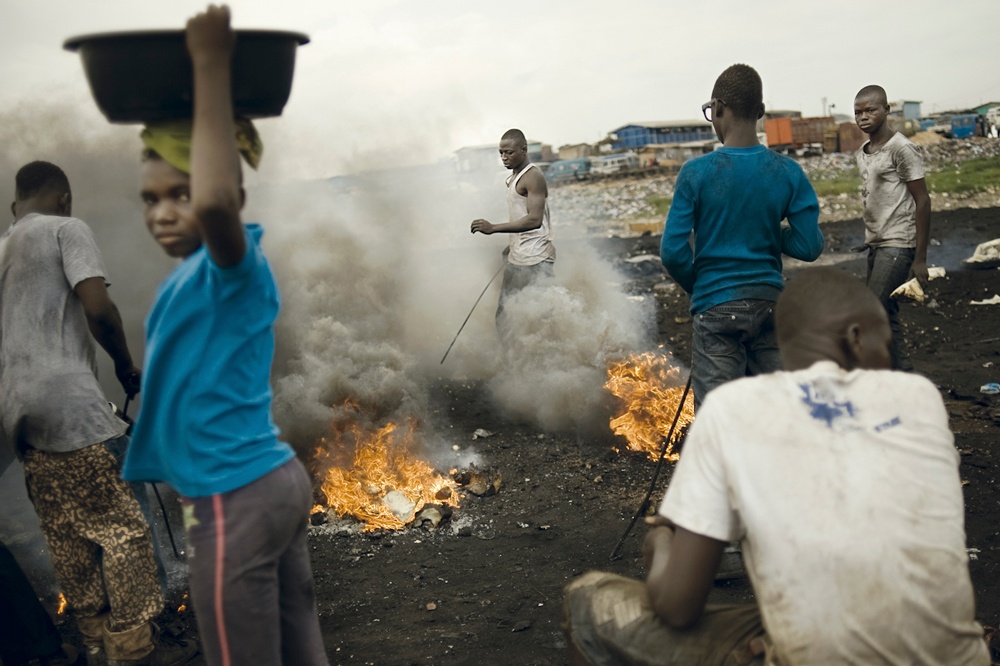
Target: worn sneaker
731	564
167	651
95	655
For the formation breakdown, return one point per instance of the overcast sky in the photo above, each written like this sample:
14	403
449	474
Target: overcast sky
389	81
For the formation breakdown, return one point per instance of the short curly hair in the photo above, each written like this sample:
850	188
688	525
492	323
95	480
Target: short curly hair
740	88
875	92
37	177
515	135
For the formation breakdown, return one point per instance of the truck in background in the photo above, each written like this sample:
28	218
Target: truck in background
568	171
964	125
802	136
607	165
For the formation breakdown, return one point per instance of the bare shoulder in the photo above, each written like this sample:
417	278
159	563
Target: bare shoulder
533	182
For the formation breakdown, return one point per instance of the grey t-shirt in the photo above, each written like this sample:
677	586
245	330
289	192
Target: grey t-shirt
49	395
889	208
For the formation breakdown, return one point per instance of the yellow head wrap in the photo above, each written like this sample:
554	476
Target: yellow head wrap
171	140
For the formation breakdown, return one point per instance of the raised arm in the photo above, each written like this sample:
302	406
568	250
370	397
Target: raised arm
105	325
216	194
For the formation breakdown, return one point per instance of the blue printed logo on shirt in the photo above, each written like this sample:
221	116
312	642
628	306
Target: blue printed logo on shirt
825	407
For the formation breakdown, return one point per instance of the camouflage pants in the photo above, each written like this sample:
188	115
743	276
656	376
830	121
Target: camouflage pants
99	542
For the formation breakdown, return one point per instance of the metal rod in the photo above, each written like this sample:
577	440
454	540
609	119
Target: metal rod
166	521
163	508
656	473
470	313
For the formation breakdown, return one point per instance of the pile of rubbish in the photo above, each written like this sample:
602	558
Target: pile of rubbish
623	208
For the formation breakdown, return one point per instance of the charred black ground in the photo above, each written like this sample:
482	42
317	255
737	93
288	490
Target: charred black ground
487	588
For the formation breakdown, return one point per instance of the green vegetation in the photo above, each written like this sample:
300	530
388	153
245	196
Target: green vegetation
975	175
978	174
832	184
660	205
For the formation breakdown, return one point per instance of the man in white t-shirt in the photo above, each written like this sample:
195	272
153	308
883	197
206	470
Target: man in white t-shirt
530	254
54	304
846	499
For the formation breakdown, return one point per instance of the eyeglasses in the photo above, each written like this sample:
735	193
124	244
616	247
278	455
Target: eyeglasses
706	108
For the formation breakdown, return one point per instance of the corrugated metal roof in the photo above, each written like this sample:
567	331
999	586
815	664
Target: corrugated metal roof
666	124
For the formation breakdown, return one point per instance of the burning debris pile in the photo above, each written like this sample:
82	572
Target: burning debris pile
650	387
383	483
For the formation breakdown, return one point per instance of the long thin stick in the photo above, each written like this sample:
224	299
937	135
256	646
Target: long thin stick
470	313
166	521
656	473
163	508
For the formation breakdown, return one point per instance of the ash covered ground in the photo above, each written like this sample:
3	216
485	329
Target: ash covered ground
486	585
495	586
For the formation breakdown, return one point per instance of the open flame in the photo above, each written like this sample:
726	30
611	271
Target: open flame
62	604
384	484
650	387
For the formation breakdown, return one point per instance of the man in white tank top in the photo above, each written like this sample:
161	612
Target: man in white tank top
530	254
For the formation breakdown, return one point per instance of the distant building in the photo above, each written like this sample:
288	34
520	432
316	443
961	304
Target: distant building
575	151
910	110
478	158
636	135
983	109
781	113
487	156
667	154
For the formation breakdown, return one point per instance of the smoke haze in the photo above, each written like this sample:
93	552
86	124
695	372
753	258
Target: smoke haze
377	272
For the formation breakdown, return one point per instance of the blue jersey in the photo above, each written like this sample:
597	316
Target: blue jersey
734	200
205	426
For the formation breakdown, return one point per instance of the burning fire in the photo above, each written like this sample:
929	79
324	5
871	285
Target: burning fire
384	484
62	604
650	386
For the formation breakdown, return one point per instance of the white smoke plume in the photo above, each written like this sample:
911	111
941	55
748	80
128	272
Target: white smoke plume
378	274
559	341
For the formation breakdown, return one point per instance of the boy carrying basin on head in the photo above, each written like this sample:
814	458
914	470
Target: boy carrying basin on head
206	425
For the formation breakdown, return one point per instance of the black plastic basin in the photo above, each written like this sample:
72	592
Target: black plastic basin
138	77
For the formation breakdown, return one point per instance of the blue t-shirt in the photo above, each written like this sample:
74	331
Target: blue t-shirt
205	426
734	200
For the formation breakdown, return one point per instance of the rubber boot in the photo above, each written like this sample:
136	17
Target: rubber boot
145	646
92	630
128	646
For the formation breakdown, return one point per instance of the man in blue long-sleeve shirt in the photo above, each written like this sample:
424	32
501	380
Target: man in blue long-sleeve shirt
734	201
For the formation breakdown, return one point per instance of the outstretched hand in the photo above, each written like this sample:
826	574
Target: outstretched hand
482	226
208	33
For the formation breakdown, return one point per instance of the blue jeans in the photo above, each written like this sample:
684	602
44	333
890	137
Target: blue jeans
516	278
889	267
732	340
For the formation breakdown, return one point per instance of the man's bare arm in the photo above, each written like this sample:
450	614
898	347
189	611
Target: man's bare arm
918	190
105	325
537	192
216	196
681	572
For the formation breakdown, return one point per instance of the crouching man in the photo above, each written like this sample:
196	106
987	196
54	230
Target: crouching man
847	502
